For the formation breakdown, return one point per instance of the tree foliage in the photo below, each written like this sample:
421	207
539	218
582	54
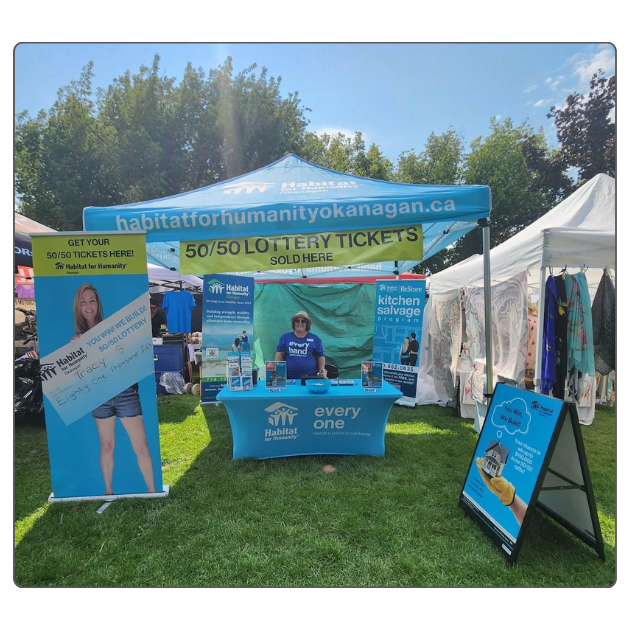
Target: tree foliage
497	161
440	163
347	154
146	136
586	129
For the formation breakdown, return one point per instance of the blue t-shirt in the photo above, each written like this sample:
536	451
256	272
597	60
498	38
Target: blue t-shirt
301	353
179	306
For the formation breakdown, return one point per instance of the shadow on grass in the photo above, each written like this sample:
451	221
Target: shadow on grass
227	509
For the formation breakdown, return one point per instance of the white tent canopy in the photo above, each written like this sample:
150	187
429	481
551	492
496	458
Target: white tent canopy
162	279
580	231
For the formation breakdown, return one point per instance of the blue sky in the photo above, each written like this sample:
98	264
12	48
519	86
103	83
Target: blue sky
395	94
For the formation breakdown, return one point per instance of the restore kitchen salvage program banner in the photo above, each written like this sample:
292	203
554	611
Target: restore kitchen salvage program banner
399	310
97	366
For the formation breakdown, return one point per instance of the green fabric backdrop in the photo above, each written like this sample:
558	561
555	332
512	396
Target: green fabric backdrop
342	315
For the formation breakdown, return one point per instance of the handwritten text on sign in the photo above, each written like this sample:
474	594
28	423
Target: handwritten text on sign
101	363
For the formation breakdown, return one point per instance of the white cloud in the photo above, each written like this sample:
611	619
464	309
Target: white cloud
554	83
582	67
585	65
529	89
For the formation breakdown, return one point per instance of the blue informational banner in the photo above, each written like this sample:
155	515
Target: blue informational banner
511	453
399	310
227	318
96	357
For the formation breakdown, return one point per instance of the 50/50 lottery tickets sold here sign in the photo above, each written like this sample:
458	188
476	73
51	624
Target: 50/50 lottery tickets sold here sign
302	250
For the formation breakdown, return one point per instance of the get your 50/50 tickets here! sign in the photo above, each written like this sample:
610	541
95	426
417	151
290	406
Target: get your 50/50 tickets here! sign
263	253
96	358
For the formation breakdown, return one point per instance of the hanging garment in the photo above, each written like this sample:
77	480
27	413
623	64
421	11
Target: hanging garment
560	338
603	312
445	330
179	306
579	325
509	327
575	384
549	359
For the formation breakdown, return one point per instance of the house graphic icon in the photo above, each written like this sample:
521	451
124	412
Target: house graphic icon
281	414
216	287
248	187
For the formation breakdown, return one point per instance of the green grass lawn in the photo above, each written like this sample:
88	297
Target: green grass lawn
392	521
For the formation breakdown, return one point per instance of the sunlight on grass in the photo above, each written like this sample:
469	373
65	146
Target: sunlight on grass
607	526
391	521
416	428
24	525
181	442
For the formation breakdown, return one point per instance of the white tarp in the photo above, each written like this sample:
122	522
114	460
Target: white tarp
578	231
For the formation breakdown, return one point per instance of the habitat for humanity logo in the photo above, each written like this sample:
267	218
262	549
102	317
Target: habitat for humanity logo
216	287
316	187
281	418
248	187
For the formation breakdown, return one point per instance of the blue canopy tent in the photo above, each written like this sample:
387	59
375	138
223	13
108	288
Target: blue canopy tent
293	196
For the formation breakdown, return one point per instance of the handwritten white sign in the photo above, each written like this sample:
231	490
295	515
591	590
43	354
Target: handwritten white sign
101	363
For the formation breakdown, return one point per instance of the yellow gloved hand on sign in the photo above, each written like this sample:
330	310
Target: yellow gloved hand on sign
499	486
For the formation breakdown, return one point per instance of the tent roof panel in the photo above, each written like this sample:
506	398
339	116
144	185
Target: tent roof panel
291	196
587	214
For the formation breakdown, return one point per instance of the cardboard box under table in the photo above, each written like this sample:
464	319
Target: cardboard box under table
293	421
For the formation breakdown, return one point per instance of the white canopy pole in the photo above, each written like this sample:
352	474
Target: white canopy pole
487	285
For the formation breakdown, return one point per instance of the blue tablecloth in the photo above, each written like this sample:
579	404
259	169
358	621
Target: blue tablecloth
344	421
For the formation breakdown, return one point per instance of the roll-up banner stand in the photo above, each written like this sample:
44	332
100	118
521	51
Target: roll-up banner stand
97	365
227	318
399	309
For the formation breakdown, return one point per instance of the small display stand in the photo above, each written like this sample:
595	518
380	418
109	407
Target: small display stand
246	370
239	371
275	375
371	376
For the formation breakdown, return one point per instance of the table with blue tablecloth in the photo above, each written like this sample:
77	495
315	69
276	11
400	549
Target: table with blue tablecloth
346	420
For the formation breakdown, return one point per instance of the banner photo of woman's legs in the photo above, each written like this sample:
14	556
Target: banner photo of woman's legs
97	364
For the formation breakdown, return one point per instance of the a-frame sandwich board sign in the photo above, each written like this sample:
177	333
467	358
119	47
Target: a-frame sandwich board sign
530	453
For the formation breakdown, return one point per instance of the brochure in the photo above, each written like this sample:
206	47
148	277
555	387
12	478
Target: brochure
276	374
371	375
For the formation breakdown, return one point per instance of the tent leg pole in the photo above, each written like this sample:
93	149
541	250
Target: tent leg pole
487	285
